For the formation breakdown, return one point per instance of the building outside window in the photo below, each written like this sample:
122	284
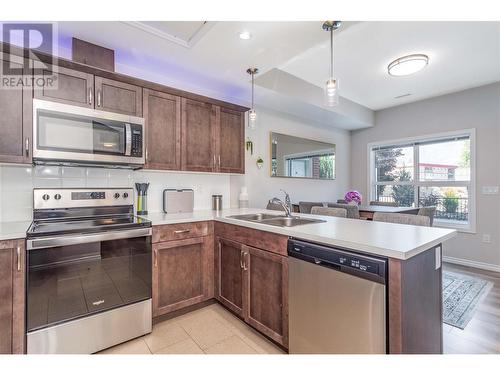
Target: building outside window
427	171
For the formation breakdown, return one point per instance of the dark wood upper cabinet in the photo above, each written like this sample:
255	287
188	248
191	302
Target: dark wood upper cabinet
16	118
267	293
230	141
198	132
119	97
229	275
162	115
12	297
71	87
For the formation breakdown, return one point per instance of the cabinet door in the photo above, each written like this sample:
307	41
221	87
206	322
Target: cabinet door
119	97
16	119
182	273
162	113
12	297
230	275
72	87
198	128
266	293
231	139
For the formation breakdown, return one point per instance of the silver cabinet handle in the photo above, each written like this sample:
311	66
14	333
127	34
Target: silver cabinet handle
27	146
146	154
18	251
214	161
245	266
242	255
219	160
182	231
99	98
155	255
90	95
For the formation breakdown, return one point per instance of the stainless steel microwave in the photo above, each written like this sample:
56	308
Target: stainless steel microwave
70	135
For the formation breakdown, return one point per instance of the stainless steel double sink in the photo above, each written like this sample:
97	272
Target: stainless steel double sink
276	220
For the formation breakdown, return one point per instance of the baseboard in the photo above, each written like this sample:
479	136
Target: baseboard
472	263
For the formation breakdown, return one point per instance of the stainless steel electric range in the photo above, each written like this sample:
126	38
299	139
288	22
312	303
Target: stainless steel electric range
89	271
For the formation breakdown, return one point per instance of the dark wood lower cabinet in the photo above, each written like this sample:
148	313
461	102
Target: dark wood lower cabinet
266	293
182	273
12	297
229	275
253	283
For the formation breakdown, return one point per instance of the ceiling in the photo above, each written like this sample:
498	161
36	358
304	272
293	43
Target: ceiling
210	58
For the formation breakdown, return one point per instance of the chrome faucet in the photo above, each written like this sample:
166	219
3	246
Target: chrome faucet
287	204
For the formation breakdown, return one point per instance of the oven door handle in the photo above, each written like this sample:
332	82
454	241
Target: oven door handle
128	139
42	243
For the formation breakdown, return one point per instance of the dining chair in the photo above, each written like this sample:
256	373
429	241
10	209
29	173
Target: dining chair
389	217
380	203
429	211
329	211
305	207
352	209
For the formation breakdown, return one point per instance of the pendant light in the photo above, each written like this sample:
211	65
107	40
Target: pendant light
332	84
252	115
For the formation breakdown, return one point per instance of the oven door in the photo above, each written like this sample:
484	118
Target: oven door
74	279
74	134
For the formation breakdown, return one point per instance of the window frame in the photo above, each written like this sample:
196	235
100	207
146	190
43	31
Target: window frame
470	227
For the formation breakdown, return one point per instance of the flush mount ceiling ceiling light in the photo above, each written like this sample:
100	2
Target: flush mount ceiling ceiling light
407	65
252	115
245	35
332	84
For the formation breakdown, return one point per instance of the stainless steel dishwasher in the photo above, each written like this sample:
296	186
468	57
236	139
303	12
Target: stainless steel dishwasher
337	300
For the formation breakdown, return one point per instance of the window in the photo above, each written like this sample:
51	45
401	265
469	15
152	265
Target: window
428	171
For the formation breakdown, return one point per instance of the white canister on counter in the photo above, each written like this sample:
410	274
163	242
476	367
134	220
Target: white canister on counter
243	197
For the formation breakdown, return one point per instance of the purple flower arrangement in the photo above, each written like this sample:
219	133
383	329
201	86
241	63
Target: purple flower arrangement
353	196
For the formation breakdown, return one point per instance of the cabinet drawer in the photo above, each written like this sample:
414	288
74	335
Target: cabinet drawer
172	232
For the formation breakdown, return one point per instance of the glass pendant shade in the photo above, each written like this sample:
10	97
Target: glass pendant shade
332	92
252	119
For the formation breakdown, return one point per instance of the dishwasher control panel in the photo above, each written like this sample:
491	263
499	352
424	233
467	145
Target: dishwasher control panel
337	258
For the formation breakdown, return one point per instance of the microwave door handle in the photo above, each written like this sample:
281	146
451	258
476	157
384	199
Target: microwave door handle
128	140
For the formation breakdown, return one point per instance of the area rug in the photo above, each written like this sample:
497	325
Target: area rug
461	294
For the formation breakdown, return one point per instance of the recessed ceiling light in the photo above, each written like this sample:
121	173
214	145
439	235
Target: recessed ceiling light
245	35
407	65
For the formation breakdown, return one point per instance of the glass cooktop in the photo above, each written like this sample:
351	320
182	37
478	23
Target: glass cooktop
85	225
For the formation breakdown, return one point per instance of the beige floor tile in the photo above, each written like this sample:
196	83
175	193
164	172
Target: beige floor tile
231	345
205	332
165	334
136	346
184	347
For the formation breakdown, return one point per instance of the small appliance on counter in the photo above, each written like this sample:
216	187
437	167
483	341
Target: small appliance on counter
178	200
217	202
142	198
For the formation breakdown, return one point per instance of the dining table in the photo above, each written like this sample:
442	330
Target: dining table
366	212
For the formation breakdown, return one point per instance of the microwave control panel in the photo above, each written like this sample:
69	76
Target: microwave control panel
137	134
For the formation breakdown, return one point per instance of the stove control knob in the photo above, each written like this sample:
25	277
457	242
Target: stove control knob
125	195
57	197
117	195
45	197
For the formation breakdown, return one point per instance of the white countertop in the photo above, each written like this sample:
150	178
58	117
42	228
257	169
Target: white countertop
13	229
384	239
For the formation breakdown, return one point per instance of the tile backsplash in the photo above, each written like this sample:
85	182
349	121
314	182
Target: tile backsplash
17	183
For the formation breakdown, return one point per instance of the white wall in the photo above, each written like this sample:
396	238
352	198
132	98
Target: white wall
17	182
262	187
477	108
